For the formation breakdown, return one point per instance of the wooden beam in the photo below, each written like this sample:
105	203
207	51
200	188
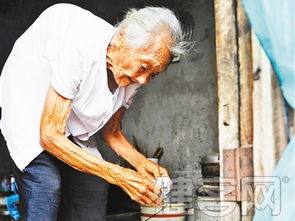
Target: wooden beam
227	75
246	77
246	104
270	134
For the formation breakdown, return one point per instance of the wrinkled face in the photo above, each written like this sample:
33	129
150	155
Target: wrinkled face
140	65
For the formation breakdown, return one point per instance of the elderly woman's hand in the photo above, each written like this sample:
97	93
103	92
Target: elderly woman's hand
138	187
151	170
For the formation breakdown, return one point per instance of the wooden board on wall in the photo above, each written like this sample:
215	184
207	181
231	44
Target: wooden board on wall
245	102
251	107
227	74
270	133
245	77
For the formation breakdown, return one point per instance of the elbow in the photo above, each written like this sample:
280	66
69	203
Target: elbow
106	137
47	138
110	136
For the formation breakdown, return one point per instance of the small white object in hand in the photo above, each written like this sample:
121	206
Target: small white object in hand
165	185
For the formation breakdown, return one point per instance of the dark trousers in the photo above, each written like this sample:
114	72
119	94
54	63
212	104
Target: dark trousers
50	190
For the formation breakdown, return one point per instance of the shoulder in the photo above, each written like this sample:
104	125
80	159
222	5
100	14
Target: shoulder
64	7
65	13
77	17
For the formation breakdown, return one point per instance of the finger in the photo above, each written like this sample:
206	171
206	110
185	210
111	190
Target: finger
156	171
157	189
163	172
154	187
145	191
148	201
152	170
160	202
154	204
141	202
154	197
148	176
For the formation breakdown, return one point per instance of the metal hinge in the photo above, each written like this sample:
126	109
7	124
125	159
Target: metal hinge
237	168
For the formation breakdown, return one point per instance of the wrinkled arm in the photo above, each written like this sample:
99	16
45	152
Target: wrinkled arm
52	138
115	139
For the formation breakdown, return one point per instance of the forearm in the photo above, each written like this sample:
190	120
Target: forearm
71	154
124	149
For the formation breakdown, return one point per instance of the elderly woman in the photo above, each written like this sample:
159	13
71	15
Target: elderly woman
70	75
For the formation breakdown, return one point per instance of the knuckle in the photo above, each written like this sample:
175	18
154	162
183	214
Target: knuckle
143	190
165	170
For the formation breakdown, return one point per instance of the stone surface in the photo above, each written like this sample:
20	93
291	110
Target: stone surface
179	108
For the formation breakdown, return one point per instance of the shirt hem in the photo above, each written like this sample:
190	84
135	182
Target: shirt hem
24	156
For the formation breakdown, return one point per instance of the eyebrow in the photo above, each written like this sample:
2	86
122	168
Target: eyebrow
151	61
148	60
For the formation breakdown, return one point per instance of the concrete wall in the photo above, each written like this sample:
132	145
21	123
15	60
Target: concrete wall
179	108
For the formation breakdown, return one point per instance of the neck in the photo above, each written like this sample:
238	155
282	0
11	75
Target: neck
111	81
109	57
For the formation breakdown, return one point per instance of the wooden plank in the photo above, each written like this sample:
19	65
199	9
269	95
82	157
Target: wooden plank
270	134
246	77
280	131
227	76
269	125
246	105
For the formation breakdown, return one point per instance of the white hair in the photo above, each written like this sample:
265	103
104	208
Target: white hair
141	24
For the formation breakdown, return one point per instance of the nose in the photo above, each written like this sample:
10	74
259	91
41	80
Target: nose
143	79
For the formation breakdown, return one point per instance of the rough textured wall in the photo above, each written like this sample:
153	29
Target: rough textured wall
179	108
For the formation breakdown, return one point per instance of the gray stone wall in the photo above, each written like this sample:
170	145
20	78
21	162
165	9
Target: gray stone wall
178	109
